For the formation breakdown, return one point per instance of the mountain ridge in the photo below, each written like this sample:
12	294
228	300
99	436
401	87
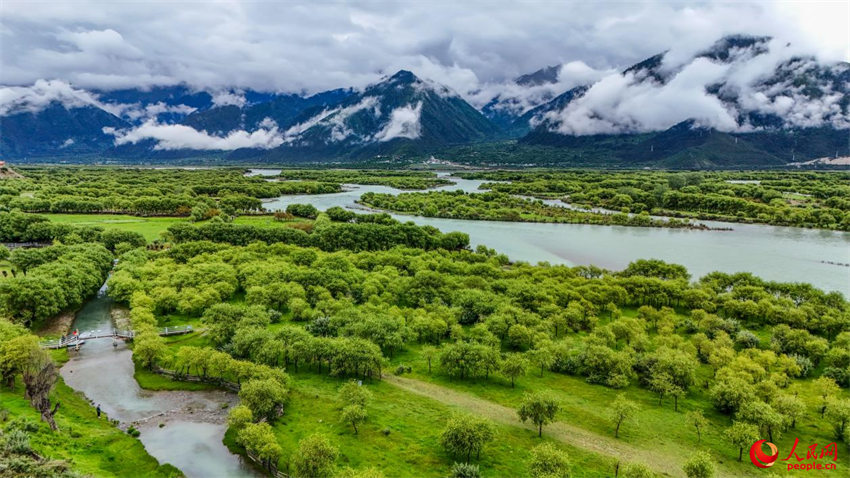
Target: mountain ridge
794	111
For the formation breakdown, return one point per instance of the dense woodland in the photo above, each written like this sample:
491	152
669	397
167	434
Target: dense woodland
457	349
400	179
200	194
496	206
799	199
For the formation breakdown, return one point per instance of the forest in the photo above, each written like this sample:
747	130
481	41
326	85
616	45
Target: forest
363	346
496	206
787	198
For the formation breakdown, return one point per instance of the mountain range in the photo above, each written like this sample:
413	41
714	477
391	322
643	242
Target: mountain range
744	101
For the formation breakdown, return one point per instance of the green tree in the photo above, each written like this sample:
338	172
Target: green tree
429	352
266	398
636	470
352	393
148	349
353	414
790	407
315	457
514	366
465	435
547	461
697	420
762	415
699	465
542	358
539	408
621	410
742	435
826	388
239	416
259	439
838	414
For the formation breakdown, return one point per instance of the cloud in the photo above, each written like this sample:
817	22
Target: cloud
315	46
136	112
32	99
173	136
334	120
227	98
404	123
635	103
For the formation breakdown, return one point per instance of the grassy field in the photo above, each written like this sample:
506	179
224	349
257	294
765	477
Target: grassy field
401	436
150	227
93	446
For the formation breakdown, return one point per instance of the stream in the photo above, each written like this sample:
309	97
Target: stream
182	428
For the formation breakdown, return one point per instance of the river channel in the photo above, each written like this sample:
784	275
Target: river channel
184	429
776	253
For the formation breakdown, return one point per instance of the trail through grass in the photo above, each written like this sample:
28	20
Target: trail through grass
561	431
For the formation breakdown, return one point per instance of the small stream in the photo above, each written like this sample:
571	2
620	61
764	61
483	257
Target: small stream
182	428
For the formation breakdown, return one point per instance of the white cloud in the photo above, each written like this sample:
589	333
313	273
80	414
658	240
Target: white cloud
226	98
32	99
403	123
169	137
633	104
335	120
315	46
136	112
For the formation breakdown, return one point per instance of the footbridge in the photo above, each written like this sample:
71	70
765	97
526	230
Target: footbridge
75	341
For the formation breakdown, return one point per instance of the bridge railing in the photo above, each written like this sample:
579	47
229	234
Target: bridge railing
73	340
178	330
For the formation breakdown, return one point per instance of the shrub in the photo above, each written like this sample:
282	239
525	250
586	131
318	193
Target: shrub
465	470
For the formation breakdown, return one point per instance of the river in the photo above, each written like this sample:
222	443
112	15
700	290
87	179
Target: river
776	253
184	429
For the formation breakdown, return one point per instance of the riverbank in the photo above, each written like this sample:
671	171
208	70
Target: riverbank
92	446
179	423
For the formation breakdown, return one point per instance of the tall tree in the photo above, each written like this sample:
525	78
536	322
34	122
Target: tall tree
547	461
539	408
315	457
514	366
465	435
39	375
621	410
742	435
697	420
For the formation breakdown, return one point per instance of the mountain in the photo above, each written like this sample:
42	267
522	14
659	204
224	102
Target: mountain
401	112
283	109
56	130
744	101
542	76
523	94
743	115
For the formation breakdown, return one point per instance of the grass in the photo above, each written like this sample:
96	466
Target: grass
656	428
150	227
93	446
410	447
152	381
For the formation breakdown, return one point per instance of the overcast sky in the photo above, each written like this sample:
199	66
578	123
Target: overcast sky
313	46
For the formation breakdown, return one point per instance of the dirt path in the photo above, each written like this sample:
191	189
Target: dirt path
578	437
